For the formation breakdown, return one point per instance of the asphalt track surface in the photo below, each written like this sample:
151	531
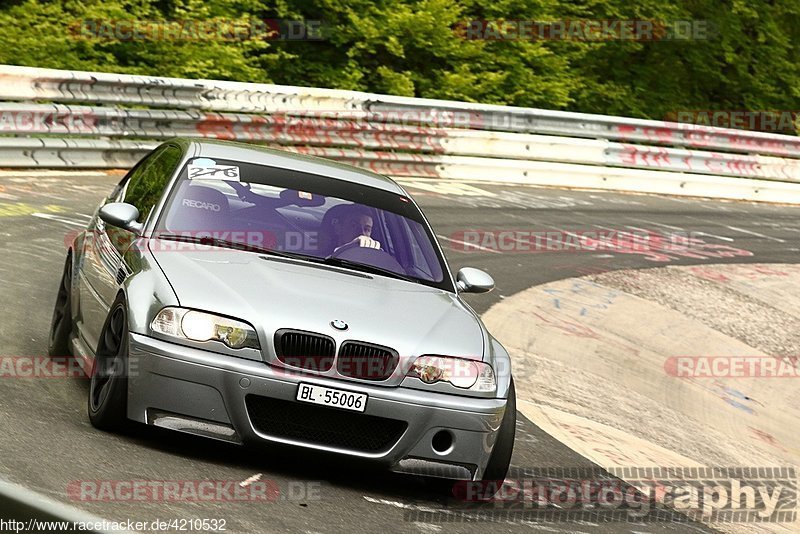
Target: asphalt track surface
47	442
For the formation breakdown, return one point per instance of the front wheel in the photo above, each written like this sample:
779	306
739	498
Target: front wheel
500	460
108	389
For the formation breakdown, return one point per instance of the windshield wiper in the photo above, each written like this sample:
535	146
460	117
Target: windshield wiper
224	243
358	266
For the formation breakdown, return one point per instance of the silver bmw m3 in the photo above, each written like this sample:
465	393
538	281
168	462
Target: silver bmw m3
257	296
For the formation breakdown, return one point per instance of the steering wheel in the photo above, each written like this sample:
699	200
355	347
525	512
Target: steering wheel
370	256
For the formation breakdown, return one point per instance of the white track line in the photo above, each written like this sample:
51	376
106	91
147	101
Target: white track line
678	228
723	238
56	218
740	230
660	224
471	245
764	236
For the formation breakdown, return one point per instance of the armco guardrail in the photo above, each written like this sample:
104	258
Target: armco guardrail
52	118
23	510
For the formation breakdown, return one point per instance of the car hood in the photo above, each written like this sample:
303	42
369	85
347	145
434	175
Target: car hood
272	293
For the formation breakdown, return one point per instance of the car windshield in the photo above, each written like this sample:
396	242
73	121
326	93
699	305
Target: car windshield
300	214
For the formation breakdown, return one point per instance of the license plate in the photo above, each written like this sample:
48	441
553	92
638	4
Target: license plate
332	397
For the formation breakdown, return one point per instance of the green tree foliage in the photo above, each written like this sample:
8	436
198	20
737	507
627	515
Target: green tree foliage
46	33
747	61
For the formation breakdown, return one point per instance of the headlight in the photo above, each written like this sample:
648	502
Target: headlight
462	373
200	326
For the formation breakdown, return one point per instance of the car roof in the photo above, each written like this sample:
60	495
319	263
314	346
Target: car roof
257	154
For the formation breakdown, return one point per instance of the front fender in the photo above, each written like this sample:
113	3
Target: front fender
146	288
75	253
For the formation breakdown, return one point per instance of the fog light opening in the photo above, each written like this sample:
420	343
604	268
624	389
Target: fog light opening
442	442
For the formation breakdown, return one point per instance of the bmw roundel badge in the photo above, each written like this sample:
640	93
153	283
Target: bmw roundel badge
338	324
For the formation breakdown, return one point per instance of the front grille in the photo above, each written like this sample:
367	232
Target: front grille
366	361
305	350
323	426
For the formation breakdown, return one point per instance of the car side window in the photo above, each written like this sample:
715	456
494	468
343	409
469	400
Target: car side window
147	183
119	190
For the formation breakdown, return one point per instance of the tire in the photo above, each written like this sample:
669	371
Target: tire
108	387
497	466
500	459
61	323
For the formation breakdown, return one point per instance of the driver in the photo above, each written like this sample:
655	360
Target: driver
354	230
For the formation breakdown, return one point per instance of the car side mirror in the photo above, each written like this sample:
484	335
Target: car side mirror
121	215
471	280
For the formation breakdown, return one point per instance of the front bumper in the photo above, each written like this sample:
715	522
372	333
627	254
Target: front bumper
204	393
